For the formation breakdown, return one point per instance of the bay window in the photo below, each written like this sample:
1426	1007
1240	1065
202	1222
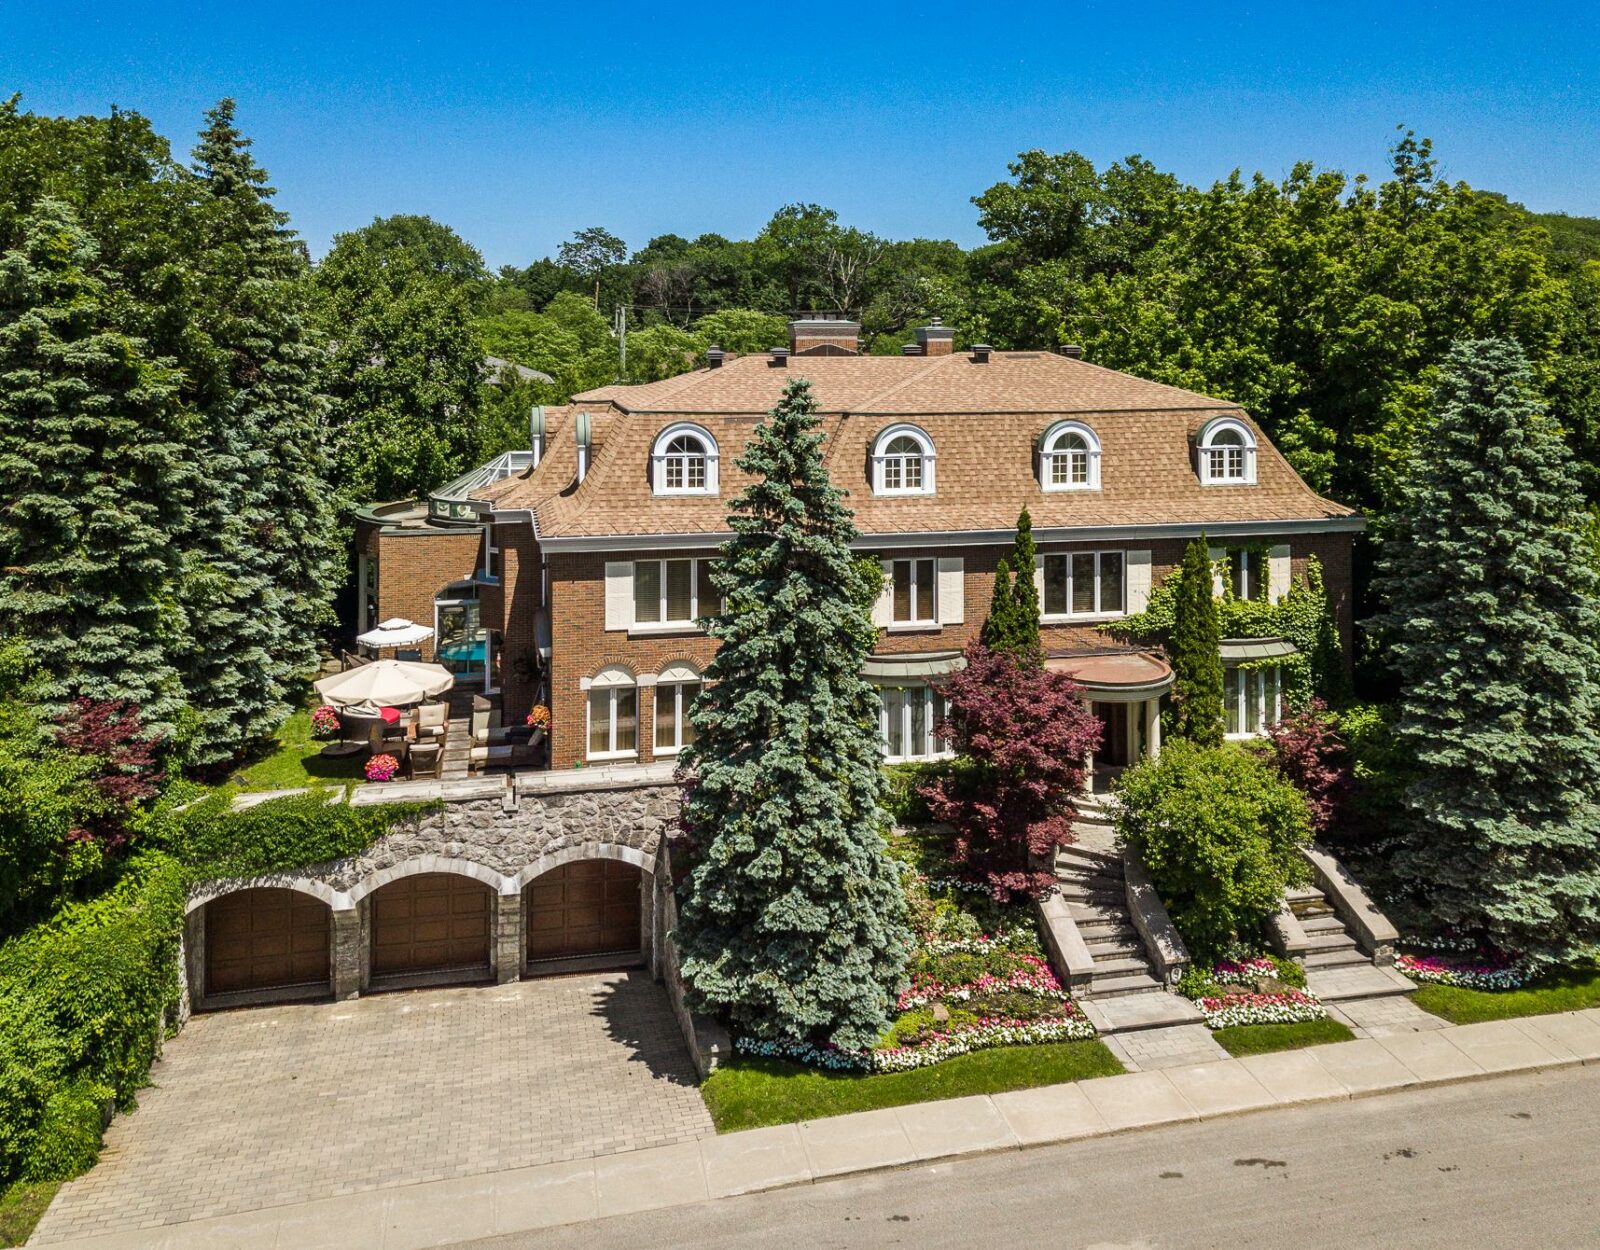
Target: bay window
1252	699
907	718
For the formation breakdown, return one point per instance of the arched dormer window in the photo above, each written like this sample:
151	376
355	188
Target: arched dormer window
1227	453
1069	457
684	461
902	462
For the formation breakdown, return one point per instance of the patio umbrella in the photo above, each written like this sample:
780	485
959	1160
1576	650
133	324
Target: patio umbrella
362	690
395	632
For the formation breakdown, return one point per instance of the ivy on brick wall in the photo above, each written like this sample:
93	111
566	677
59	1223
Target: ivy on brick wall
1303	617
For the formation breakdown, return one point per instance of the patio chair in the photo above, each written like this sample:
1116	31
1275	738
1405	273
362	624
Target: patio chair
430	723
424	759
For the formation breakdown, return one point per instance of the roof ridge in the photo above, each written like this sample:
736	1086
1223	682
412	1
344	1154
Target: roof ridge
916	375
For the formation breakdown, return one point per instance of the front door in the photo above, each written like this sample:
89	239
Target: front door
1113	752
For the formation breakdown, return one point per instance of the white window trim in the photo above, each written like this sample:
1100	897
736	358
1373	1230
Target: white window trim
610	681
922	440
1098	614
920	622
676	683
1236	675
1208	435
936	751
664	626
1047	456
658	460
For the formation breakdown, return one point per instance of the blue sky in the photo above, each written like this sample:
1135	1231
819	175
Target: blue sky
518	123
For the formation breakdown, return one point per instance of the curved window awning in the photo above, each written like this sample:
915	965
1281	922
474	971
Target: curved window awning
1117	677
911	665
1238	650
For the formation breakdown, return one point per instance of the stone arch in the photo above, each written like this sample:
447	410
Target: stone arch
584	850
425	864
318	890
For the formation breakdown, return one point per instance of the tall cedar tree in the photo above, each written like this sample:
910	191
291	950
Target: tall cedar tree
259	568
93	479
1012	625
793	916
1491	624
1022	735
1196	651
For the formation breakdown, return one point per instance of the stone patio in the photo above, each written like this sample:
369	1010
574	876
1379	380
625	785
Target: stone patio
272	1106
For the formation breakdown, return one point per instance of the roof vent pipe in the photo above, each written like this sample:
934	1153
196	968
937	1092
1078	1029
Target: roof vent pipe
980	353
536	433
1072	351
714	357
580	427
780	357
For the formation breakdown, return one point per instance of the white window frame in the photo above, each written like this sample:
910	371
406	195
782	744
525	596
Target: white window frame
678	678
1049	456
663	625
611	682
932	597
1246	448
1235	695
660	458
881	461
935	749
1254	574
491	556
1100	613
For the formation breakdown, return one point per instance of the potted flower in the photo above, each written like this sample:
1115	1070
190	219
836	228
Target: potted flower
538	721
382	768
324	721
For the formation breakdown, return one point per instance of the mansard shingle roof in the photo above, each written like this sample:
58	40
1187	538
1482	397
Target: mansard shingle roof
985	420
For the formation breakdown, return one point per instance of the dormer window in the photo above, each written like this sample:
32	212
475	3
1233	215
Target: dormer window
684	462
902	462
1070	459
1227	454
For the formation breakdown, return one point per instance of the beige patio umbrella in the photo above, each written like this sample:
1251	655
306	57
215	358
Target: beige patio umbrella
362	690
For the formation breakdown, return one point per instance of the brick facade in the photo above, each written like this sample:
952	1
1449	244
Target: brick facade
414	567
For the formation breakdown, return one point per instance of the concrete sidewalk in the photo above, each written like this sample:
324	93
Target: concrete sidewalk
526	1199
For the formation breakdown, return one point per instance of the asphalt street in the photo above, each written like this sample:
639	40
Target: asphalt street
1510	1161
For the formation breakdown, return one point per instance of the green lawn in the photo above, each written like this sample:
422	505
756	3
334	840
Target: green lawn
20	1209
753	1093
298	761
1261	1039
1572	990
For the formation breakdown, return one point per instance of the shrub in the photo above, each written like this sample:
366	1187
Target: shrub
1022	734
68	1140
903	785
1308	752
81	1003
1220	833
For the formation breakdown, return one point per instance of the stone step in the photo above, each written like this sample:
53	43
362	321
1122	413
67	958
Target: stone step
1323	924
1356	981
1114	947
1109	894
1112	964
1136	1012
1336	941
1121	983
1345	958
1091	912
1122	930
1305	894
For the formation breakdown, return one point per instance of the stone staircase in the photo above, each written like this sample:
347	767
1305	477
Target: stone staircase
456	759
1340	969
1331	944
1093	888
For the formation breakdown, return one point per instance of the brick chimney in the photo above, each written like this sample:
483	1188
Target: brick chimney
936	339
825	336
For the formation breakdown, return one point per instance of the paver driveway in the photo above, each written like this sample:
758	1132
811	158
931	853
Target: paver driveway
274	1105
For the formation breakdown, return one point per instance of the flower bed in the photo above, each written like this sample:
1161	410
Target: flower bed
1464	972
978	979
1287	1006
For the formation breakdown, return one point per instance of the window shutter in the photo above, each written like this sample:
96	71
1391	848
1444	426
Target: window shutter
1218	554
883	609
619	594
952	609
1136	571
1278	573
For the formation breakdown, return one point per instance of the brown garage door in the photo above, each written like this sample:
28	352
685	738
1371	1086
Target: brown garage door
266	939
435	922
587	908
